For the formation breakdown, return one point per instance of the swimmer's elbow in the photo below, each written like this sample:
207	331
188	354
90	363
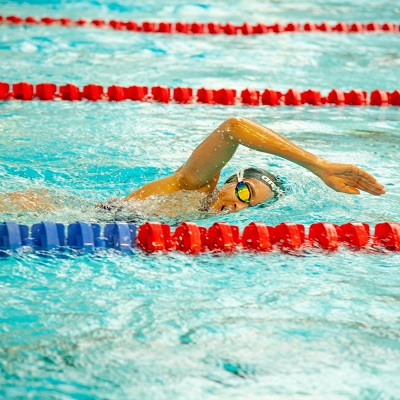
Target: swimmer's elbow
234	128
234	123
188	181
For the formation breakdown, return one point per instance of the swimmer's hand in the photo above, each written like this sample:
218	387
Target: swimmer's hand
348	178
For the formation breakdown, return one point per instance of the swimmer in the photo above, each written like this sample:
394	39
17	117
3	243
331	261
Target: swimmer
251	186
199	175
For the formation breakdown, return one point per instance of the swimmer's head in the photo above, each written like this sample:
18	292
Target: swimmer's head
258	186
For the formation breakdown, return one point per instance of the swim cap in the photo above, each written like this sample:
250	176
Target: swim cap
267	178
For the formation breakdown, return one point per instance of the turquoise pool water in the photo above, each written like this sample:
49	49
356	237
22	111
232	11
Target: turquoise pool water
173	326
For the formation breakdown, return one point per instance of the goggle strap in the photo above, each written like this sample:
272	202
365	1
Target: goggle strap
240	175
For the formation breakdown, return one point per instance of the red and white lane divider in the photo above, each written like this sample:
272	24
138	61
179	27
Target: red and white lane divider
191	238
211	28
184	95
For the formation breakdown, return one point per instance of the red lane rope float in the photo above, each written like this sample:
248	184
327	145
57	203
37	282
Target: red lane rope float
257	236
184	95
199	28
193	239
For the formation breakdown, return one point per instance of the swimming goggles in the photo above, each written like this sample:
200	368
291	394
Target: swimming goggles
242	190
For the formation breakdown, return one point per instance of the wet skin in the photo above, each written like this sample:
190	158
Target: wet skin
201	171
226	200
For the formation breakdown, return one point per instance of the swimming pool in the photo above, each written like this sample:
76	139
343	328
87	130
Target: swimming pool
107	325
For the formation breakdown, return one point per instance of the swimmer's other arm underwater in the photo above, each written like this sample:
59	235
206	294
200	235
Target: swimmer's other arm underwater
247	188
252	186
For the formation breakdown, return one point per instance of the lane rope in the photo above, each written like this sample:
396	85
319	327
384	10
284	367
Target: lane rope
191	238
186	95
199	28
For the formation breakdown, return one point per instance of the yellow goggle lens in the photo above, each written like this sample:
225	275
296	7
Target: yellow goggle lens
242	192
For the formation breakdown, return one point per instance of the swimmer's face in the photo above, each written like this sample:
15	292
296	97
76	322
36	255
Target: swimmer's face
226	201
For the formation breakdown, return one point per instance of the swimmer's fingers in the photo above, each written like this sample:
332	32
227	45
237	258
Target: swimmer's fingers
353	186
373	188
367	183
350	179
342	185
349	190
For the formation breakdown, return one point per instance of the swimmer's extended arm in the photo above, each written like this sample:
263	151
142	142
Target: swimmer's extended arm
215	151
201	170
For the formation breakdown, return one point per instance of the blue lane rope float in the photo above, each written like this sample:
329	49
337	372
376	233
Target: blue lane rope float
79	235
191	238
